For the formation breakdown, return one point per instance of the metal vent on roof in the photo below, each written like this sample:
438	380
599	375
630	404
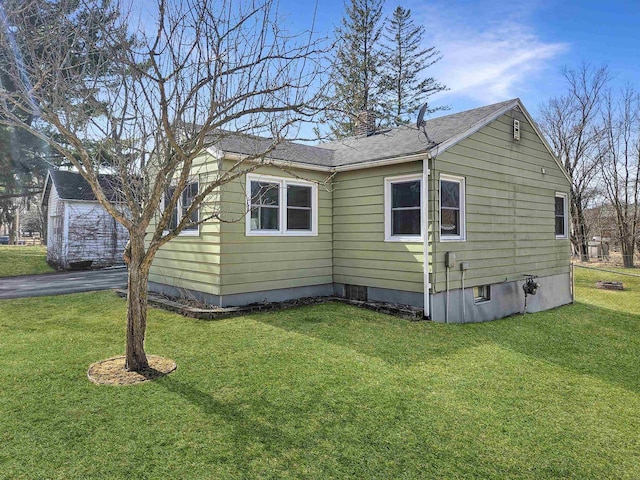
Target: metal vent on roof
516	129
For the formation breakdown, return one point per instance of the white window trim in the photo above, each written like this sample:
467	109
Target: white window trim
186	233
388	182
565	197
481	300
463	217
283	183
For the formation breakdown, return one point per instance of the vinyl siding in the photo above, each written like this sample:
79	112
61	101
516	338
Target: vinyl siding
193	261
510	225
258	263
360	254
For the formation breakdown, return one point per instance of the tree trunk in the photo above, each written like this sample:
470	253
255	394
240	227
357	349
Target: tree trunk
579	233
136	358
627	247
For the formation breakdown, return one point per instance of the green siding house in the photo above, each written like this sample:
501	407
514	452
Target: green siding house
448	217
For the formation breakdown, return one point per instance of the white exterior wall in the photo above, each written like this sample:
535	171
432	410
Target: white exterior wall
93	234
55	228
80	231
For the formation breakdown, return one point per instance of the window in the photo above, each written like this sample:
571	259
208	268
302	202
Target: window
281	206
184	202
481	293
561	215
265	206
452	215
403	208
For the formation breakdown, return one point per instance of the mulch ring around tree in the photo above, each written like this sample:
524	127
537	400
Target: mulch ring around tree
112	372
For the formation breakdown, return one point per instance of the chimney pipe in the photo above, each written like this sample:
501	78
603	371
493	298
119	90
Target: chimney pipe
366	123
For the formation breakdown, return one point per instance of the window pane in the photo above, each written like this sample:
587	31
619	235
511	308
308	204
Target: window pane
188	195
405	194
559	226
298	219
298	196
173	220
560	206
450	222
450	194
405	222
264	218
263	193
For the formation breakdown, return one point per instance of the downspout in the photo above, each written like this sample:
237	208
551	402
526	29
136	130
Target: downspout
425	236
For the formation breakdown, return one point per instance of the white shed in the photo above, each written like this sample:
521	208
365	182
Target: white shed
80	232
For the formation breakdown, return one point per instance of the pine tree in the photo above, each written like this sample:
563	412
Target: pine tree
404	89
356	67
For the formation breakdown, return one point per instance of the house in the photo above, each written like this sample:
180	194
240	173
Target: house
80	232
449	217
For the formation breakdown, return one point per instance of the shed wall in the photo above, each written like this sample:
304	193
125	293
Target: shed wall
55	228
93	234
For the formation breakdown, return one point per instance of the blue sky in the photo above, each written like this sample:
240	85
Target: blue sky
496	50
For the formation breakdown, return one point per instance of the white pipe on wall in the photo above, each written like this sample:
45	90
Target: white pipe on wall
425	236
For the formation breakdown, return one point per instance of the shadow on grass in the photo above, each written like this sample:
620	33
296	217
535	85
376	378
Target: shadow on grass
583	338
236	416
393	340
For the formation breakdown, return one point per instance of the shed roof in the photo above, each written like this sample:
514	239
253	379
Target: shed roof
72	186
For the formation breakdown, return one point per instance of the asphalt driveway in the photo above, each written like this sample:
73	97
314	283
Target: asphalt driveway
62	283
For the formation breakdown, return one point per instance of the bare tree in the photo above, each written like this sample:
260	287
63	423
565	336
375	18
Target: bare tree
620	166
571	123
153	102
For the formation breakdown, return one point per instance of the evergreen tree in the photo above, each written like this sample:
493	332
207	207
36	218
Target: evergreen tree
404	89
356	68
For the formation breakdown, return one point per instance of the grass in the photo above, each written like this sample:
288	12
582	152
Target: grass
327	391
20	260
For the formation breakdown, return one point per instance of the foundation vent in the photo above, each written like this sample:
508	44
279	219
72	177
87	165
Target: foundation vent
355	292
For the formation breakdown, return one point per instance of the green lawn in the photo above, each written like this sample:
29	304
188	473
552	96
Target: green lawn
327	391
21	260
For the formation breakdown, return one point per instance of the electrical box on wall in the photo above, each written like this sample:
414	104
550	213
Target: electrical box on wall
516	129
450	259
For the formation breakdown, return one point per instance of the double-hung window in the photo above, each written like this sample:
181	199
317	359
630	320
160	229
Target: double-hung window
452	215
561	215
184	202
281	206
403	208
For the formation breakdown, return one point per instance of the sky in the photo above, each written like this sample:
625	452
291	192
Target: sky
498	50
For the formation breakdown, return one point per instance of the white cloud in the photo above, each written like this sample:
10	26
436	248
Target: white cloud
489	54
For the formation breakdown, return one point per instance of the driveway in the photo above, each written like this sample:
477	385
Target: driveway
62	283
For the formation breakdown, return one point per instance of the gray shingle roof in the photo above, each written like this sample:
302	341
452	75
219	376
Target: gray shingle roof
72	186
287	151
384	144
407	140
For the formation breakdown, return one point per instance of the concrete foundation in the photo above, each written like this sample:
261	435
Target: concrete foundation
265	296
506	298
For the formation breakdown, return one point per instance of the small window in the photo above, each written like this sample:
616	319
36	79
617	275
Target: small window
188	195
299	208
281	206
403	208
265	206
481	293
452	216
184	202
561	216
